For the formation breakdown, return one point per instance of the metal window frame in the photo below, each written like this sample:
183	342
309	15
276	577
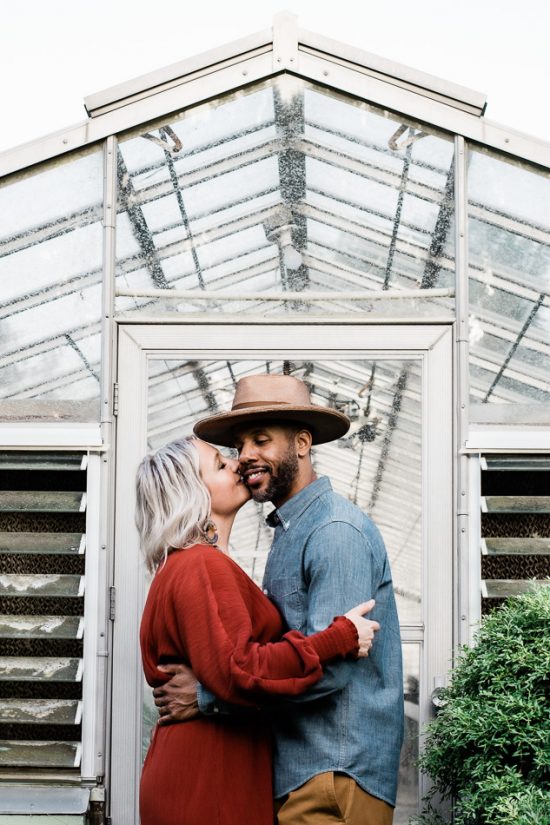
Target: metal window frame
197	339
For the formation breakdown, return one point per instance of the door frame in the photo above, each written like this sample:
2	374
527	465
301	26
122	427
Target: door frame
136	344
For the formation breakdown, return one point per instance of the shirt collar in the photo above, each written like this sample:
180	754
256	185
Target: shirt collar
295	506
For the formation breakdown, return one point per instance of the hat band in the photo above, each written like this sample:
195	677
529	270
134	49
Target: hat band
246	404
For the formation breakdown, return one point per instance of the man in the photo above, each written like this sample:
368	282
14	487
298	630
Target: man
336	747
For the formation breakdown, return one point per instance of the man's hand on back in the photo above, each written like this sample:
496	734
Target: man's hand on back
177	699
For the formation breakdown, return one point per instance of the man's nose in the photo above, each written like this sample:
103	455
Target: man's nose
246	453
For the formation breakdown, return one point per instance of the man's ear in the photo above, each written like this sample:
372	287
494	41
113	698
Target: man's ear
303	442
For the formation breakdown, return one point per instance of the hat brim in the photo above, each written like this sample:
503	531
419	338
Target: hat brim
324	424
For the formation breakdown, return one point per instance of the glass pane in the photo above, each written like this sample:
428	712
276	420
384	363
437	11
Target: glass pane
51	275
407	790
377	465
287	188
149	716
509	271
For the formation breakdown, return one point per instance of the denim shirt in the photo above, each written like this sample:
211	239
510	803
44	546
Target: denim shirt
326	557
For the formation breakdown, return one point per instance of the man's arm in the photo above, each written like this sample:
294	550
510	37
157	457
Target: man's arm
338	565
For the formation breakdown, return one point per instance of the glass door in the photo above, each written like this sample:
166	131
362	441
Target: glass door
394	383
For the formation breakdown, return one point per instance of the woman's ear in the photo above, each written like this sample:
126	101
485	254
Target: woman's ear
303	442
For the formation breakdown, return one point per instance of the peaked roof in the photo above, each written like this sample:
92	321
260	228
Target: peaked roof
287	43
282	48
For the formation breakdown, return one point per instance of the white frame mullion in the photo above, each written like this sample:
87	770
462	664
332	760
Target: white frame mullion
474	548
105	538
93	684
462	390
126	694
438	559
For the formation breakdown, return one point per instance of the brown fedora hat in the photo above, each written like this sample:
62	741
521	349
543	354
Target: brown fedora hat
277	398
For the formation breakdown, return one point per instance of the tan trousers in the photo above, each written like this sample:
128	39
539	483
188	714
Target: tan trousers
331	798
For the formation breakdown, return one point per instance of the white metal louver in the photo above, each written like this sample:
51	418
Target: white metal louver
42	550
515	522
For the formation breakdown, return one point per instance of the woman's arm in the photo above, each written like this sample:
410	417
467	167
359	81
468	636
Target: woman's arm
182	698
213	623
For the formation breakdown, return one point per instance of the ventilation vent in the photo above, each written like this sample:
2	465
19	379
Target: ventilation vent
42	543
515	525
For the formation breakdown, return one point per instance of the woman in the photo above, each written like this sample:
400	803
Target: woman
203	610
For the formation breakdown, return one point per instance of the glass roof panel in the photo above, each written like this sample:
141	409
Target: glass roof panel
269	189
284	188
51	254
509	269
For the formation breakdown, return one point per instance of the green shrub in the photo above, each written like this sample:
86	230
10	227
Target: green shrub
489	747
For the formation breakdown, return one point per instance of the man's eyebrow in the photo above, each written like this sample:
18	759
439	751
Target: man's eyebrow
238	440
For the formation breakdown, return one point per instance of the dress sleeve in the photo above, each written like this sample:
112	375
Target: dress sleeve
213	622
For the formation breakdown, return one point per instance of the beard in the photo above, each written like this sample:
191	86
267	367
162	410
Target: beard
280	484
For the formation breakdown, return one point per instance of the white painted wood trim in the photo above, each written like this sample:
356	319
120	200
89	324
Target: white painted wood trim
51	436
508	439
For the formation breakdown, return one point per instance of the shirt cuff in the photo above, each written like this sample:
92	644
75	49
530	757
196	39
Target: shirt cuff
339	639
208	703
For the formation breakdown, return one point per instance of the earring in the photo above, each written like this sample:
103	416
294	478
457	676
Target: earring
210	532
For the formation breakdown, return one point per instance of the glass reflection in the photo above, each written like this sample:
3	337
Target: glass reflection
285	188
378	466
408	788
509	271
51	275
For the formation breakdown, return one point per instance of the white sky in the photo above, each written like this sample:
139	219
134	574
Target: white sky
55	52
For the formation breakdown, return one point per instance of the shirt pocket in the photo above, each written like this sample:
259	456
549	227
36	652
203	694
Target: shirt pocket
288	594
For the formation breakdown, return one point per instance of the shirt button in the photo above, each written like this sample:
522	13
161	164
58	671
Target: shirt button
266	591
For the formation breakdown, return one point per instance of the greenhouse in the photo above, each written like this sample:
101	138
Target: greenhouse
284	204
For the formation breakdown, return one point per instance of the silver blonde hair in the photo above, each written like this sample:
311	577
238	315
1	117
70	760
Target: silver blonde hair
172	500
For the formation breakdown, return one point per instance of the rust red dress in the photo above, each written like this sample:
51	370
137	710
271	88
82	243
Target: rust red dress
203	610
